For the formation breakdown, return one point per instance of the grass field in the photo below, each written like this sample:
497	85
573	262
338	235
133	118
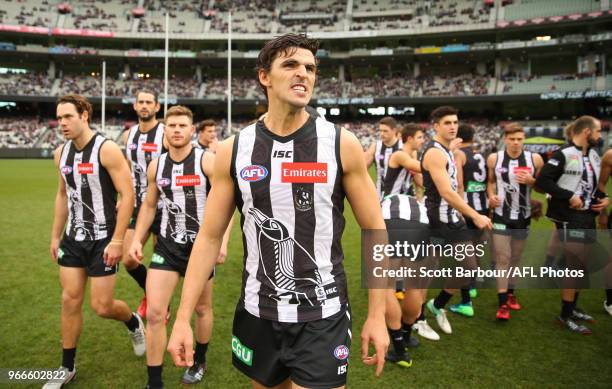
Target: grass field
528	351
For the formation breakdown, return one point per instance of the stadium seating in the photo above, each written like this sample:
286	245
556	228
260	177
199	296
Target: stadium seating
558	83
99	15
529	9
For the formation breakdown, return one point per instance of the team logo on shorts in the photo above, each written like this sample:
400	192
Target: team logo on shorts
341	352
253	173
163	182
66	169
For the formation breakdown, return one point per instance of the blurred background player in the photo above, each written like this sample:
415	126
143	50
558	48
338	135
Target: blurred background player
570	177
512	173
606	222
446	209
402	164
91	173
206	136
380	152
143	143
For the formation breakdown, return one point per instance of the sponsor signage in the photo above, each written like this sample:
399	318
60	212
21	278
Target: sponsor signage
189	180
304	172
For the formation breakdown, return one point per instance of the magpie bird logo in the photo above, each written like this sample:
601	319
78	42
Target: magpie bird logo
279	270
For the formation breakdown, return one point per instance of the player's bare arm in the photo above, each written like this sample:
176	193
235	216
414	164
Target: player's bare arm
146	215
404	160
219	207
368	155
61	209
115	164
459	163
494	201
361	194
529	179
435	162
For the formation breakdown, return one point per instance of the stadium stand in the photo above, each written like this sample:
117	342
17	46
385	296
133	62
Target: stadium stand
529	9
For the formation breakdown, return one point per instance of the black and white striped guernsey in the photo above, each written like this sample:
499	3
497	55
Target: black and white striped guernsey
402	206
475	180
140	149
92	197
397	180
183	189
439	209
289	193
382	154
515	198
196	143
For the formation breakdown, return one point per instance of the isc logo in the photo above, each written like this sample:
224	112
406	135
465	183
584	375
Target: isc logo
253	173
282	153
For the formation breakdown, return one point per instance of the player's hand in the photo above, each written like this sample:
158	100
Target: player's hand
454	144
602	220
222	255
525	178
494	201
54	249
112	253
575	202
374	331
135	251
180	345
601	205
483	222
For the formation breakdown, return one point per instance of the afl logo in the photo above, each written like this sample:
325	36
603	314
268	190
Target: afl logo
66	169
132	146
341	352
253	173
163	182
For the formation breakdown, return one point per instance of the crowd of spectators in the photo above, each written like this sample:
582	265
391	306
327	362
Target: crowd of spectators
92	86
20	131
32	83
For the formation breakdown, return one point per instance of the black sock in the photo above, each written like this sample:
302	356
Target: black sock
511	290
567	309
139	274
465	296
155	376
422	315
68	355
576	299
407	330
132	324
397	339
608	296
442	299
200	352
502	298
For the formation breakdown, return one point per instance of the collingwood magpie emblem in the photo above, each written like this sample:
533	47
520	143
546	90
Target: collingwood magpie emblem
279	270
303	199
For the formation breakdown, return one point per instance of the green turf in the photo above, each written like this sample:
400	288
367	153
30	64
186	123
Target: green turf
529	351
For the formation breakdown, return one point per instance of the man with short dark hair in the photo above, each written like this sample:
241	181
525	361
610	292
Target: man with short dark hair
288	175
206	136
380	151
143	143
87	233
446	209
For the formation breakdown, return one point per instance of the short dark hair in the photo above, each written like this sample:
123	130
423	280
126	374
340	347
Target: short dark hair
81	104
445	110
513	128
148	91
285	45
203	124
580	124
410	130
466	132
389	121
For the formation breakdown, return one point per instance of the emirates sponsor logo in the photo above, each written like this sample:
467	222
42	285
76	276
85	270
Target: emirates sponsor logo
149	147
85	168
519	169
304	172
191	180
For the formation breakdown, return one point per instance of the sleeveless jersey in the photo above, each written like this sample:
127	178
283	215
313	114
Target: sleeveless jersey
196	143
140	149
289	193
514	196
401	206
439	209
475	180
92	196
183	189
382	154
397	180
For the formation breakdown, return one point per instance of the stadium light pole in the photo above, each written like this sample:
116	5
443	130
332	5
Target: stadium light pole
166	53
229	72
103	110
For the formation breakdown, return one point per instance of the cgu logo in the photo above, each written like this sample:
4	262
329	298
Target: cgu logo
242	352
253	173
